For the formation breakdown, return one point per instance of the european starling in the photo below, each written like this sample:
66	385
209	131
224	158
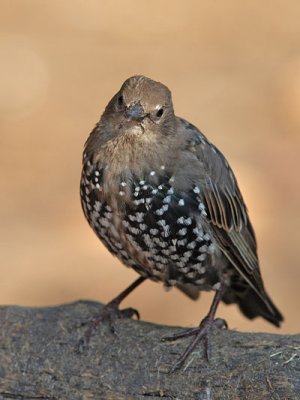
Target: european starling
164	200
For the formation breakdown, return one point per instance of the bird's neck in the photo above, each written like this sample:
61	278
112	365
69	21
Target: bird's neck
128	158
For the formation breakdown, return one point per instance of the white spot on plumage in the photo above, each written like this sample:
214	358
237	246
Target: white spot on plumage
211	248
190	274
197	266
161	243
181	202
180	264
185	270
154	231
139	201
196	190
182	231
162	167
105	222
166	231
159	258
216	286
187	254
139	216
148	241
152	173
202	257
172	248
181	242
98	186
123	184
198	232
107	215
133	230
161	222
148	201
154	191
191	245
162	210
167	199
170	191
166	252
201	206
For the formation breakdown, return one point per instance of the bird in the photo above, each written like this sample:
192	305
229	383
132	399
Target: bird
164	200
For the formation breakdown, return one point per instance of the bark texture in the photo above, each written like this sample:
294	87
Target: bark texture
38	360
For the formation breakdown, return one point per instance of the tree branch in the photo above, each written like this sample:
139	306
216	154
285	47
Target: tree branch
38	360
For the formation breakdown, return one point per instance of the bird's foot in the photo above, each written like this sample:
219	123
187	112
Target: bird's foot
202	332
110	312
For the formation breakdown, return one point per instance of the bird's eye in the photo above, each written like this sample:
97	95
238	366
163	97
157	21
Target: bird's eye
120	100
159	113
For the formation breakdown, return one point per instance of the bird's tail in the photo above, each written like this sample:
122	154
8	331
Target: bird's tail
253	306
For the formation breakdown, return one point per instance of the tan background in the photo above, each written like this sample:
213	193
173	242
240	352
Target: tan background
234	70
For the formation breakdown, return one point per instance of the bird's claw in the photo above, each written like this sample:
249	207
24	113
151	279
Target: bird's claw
202	332
110	312
121	314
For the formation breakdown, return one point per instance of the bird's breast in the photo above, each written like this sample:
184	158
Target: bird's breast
145	221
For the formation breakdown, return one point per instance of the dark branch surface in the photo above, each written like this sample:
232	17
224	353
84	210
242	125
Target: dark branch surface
38	360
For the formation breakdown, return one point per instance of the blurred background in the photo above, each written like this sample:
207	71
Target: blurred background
234	70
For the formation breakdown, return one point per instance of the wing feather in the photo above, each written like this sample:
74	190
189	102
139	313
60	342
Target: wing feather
227	213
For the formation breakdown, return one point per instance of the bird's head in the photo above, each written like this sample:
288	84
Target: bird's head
142	106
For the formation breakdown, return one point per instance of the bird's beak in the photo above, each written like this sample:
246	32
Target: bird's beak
135	112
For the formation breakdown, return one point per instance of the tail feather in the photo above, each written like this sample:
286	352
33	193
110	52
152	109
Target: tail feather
253	306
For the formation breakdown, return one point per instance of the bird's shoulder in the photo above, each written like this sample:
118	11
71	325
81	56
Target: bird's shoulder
207	168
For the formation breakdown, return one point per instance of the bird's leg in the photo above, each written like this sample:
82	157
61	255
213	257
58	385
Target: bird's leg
201	332
111	312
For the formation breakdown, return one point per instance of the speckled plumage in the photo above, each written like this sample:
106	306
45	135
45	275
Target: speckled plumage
164	200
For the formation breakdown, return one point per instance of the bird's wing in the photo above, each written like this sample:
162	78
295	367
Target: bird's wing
225	208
